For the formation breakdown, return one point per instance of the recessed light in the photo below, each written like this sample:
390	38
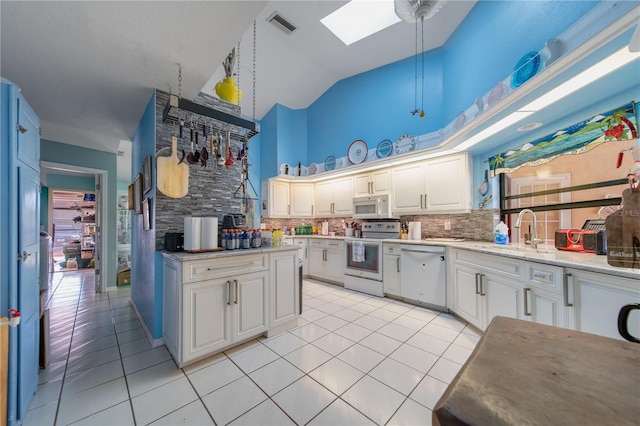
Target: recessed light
528	127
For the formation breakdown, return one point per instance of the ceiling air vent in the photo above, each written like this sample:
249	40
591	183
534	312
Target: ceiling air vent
280	22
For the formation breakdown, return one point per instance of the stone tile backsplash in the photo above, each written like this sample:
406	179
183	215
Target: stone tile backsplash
477	225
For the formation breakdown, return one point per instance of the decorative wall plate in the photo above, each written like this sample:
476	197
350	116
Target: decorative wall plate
312	169
459	122
496	94
357	152
526	68
330	163
406	143
384	148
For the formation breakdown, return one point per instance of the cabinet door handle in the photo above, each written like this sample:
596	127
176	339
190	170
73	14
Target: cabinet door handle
324	255
312	209
565	288
477	283
526	302
482	293
425	201
228	292
421	203
289	209
236	284
398	264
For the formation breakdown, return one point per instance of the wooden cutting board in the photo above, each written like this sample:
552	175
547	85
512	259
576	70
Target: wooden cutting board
623	232
173	178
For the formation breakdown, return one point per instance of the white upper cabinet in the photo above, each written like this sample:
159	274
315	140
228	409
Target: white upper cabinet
334	197
376	182
301	197
438	185
276	199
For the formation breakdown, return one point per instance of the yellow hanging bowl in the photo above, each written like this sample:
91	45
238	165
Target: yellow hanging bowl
228	91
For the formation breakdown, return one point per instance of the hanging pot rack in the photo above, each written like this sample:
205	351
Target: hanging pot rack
239	127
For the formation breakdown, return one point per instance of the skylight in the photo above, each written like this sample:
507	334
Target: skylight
360	18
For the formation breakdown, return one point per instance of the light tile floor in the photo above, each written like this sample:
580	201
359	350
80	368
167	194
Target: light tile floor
354	359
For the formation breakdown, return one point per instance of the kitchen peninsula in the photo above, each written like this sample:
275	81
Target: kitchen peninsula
216	300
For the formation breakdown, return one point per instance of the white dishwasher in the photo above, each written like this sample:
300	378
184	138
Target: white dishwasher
423	275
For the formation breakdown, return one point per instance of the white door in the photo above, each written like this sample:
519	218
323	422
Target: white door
316	261
544	307
466	289
446	184
362	186
250	308
207	317
301	199
407	183
284	287
324	199
343	196
501	298
334	266
391	275
380	181
278	199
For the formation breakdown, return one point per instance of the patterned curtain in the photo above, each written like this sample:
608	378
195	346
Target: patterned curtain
617	125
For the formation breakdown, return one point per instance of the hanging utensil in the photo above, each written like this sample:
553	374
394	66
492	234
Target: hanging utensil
203	151
484	186
192	157
484	202
219	152
229	161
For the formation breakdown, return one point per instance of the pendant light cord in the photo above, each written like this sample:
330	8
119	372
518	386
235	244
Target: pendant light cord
415	80
422	88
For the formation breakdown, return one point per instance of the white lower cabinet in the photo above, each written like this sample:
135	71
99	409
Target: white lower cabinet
596	299
326	259
285	288
544	307
485	286
211	305
391	269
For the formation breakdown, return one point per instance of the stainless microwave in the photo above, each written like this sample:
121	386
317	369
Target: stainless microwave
372	207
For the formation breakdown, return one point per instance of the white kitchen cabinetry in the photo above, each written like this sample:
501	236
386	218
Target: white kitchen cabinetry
543	297
212	304
438	185
391	269
376	182
594	301
326	259
275	202
303	253
301	197
334	198
285	288
485	286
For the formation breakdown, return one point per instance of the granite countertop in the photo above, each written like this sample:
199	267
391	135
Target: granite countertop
183	256
545	253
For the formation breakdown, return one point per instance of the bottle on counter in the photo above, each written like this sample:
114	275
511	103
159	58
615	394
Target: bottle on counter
237	237
256	238
223	239
229	240
266	237
245	240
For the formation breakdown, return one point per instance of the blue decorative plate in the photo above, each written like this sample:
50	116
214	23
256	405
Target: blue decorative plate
406	143
384	148
526	68
330	163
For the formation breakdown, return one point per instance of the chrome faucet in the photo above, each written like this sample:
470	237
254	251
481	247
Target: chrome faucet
534	237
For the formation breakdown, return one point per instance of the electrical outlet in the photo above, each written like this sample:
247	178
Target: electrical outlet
447	225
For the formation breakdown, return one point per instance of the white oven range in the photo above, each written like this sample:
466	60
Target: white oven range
363	257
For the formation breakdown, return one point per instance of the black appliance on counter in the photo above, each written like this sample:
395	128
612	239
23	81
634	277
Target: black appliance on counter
174	241
592	238
234	221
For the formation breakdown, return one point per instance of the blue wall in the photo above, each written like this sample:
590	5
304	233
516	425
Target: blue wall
269	144
491	41
146	285
376	105
61	153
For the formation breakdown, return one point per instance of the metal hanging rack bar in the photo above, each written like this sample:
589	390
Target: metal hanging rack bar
175	104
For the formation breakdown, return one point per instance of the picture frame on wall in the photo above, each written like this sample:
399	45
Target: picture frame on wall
137	194
146	174
130	197
146	214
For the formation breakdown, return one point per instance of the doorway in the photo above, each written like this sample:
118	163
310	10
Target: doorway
73	229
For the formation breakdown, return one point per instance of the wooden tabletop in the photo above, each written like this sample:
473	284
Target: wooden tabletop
523	373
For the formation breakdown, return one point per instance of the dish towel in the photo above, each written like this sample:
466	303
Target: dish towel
357	251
